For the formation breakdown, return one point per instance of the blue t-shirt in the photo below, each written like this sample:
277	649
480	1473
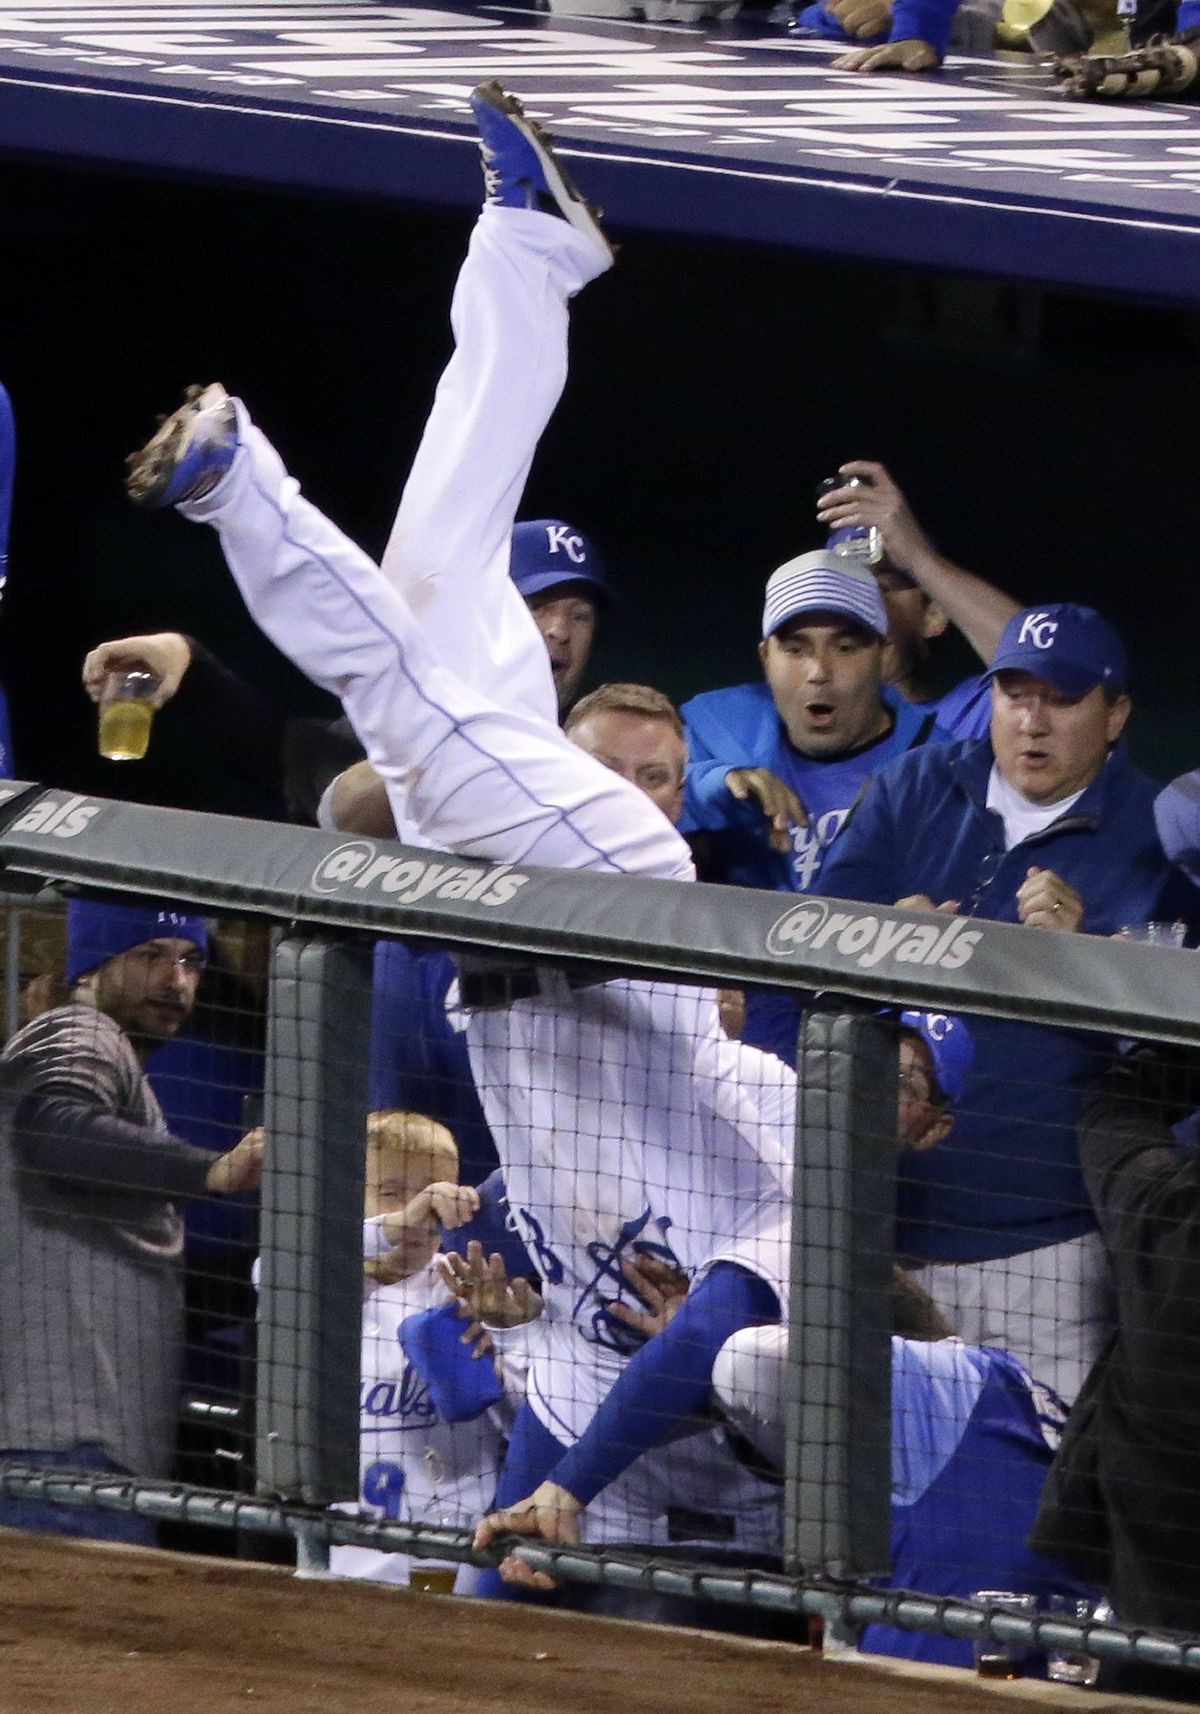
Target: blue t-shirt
828	791
740	728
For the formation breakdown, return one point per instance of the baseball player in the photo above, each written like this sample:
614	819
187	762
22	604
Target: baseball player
972	1435
744	1284
622	1115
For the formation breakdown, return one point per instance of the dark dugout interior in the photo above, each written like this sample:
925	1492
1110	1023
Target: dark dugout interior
1045	440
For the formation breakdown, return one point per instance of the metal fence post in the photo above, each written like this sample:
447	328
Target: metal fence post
838	1494
310	1295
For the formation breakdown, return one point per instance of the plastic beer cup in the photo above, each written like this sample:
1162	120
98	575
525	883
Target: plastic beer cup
127	714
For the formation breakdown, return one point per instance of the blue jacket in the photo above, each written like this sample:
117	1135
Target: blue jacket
740	728
1007	1179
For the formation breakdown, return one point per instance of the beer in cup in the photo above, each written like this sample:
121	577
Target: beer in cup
127	714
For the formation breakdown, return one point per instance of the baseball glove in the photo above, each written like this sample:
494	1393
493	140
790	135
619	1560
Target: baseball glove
1166	66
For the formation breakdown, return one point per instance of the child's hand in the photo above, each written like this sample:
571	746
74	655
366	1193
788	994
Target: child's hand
439	1207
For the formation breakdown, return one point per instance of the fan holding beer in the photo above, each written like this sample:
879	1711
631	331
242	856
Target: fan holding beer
129	679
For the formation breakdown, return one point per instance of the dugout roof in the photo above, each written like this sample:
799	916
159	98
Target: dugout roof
735	132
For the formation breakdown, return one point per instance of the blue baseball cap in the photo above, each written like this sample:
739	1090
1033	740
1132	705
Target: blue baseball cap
950	1047
823	582
100	929
546	552
1072	648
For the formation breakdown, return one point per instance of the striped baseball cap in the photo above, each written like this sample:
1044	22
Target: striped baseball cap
823	582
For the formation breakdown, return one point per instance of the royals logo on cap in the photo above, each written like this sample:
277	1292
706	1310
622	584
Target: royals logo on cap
546	552
1072	648
950	1048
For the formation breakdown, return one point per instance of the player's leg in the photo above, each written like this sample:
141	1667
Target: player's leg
479	779
535	245
749	1379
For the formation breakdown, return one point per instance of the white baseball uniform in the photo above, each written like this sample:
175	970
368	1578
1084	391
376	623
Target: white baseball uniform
413	1466
621	1113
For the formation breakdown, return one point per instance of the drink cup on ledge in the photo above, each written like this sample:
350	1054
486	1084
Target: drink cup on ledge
1154	933
1073	1666
996	1659
127	714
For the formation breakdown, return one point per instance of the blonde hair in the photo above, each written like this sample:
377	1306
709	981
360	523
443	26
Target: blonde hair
625	699
408	1133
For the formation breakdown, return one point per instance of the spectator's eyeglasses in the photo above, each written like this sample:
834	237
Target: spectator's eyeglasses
155	958
914	1082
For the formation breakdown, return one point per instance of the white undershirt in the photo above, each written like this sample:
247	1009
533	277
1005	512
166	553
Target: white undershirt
1021	818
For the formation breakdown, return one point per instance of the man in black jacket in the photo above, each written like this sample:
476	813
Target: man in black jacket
1123	1499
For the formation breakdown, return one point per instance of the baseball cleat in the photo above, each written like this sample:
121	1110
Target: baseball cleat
189	454
520	168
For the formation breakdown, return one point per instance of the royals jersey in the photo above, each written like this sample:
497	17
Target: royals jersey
413	1466
626	1123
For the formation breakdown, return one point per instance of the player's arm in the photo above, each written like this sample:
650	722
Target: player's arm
975	606
357	802
919	37
663	1385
